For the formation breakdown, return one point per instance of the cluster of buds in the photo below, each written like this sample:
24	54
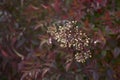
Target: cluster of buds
69	35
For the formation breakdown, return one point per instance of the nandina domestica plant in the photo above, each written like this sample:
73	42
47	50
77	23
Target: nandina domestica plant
59	39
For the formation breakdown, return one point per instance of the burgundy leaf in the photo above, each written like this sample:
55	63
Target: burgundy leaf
13	41
32	8
44	6
44	72
4	53
57	6
99	38
68	65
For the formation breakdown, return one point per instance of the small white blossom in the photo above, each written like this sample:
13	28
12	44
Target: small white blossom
68	35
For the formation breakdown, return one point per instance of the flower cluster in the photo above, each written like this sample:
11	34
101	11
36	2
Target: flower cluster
69	35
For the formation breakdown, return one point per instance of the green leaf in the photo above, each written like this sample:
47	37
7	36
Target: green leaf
104	53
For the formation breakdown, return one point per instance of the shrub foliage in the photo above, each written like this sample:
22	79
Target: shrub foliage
59	39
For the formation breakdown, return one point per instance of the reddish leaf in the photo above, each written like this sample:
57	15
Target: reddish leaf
11	28
99	38
86	23
99	1
118	14
50	65
68	65
4	53
44	72
100	10
44	6
31	8
64	17
87	26
107	16
57	6
13	41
